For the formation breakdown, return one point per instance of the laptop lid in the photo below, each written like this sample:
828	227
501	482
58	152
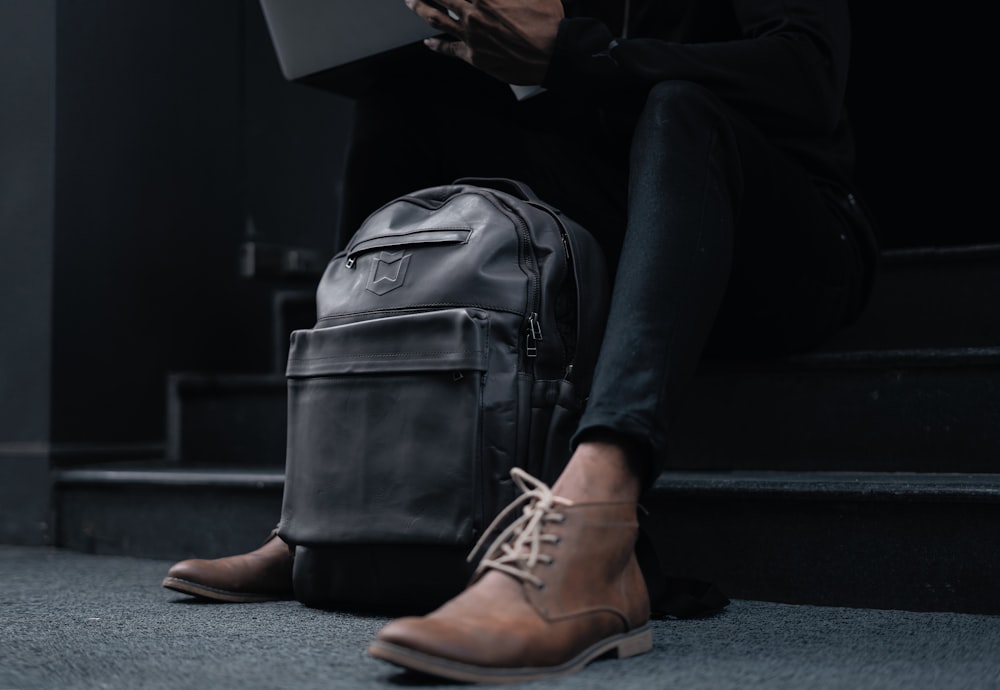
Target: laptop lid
314	36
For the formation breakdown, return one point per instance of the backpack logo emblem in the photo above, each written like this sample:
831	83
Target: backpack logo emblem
388	272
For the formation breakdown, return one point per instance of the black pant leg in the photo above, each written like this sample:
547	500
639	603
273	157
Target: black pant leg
729	243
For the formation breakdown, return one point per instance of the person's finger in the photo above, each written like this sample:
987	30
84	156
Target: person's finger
434	16
455	49
455	9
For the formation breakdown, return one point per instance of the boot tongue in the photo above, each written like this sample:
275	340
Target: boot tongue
515	548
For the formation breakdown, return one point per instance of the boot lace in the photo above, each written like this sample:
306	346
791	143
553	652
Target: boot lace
517	549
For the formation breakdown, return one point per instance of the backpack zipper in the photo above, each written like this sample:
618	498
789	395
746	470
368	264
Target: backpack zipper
533	330
533	336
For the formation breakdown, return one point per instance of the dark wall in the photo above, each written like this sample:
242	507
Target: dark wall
146	138
149	198
296	137
27	146
925	120
27	142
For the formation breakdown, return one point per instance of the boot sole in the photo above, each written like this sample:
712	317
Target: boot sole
638	641
206	592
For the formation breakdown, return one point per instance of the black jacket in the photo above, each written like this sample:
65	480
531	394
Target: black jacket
783	64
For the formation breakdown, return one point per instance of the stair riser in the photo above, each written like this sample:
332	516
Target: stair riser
907	555
906	547
899	418
937	302
170	522
227	421
896	419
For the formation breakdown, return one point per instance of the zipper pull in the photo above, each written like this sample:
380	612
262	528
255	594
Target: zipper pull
534	335
350	262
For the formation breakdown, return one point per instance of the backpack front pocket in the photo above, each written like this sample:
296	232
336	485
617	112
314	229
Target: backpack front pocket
384	430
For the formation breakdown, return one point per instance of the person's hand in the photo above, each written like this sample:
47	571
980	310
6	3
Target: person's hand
511	40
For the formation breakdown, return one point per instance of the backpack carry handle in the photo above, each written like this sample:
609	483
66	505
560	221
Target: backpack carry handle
501	184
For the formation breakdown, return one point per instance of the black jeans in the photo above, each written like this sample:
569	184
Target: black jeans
720	244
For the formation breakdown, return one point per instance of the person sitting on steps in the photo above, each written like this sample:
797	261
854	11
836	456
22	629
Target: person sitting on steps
706	145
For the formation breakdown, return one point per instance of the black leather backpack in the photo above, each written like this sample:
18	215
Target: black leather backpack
456	337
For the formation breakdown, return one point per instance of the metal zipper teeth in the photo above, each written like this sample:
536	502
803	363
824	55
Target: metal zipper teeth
525	249
568	259
354	253
350	253
355	250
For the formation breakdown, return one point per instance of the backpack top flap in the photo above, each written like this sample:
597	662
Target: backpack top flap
484	243
438	248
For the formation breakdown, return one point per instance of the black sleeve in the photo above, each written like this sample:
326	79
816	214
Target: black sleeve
787	71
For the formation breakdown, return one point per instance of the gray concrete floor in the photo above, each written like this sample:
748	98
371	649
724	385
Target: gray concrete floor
71	620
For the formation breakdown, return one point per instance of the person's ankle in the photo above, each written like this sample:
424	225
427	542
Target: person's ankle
598	471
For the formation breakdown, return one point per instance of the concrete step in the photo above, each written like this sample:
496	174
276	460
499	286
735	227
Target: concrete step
235	420
925	297
928	410
912	386
920	542
883	410
165	511
931	297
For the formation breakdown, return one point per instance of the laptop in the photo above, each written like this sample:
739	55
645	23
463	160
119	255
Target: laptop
312	37
338	45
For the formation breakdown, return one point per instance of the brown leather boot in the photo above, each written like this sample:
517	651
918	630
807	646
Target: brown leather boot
261	575
558	588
